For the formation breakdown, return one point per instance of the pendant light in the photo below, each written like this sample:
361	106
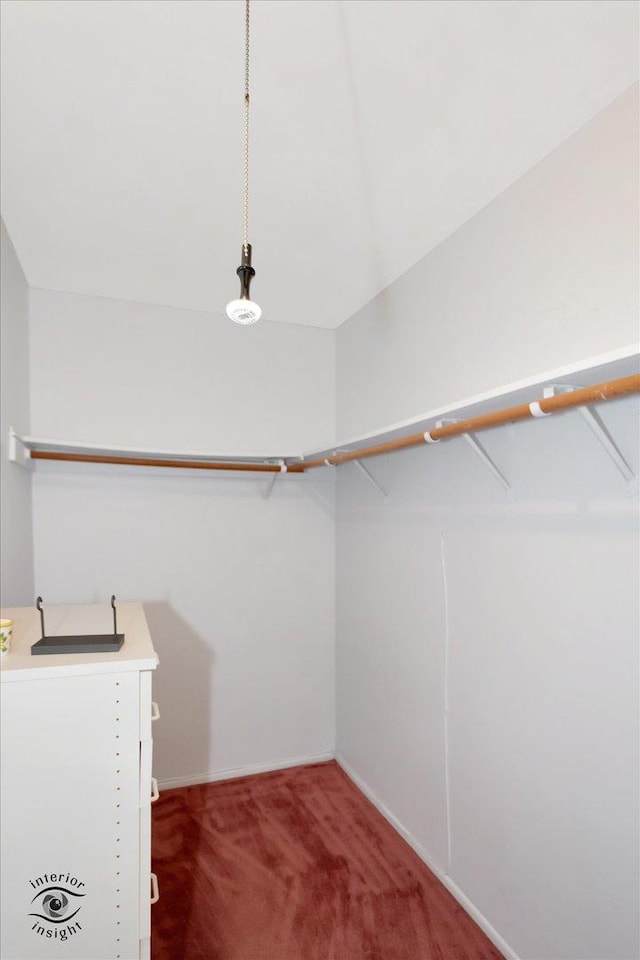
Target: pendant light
244	310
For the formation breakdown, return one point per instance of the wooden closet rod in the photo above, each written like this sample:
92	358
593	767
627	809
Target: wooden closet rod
148	462
564	401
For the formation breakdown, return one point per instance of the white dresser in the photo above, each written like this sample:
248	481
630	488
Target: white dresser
76	788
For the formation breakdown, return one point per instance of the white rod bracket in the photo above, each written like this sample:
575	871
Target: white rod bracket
475	444
370	477
597	427
18	451
327	460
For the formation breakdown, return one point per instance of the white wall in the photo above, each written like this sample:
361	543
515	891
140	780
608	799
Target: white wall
241	610
494	717
239	590
546	275
16	558
487	648
110	370
487	673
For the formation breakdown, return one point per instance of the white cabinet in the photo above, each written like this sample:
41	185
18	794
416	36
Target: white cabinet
77	787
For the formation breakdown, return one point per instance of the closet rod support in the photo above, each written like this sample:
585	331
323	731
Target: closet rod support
597	427
477	447
269	490
370	478
18	451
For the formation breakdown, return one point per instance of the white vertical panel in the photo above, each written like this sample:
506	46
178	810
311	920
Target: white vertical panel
145	705
70	789
146	758
16	543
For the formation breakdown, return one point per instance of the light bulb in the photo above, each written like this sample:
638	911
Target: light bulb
243	311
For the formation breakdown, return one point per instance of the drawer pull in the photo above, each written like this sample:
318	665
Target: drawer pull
155	711
155	892
155	793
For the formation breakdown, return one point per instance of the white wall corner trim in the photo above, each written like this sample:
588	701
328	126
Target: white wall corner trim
246	771
16	553
493	935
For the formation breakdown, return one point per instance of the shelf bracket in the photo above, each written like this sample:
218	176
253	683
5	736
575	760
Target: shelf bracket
272	479
363	470
370	477
475	445
18	451
597	427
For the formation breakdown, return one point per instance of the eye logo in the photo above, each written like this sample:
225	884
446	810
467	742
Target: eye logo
55	904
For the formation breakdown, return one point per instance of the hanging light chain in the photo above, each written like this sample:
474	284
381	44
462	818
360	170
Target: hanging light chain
243	310
246	132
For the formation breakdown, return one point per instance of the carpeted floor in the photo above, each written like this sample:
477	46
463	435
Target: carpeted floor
296	865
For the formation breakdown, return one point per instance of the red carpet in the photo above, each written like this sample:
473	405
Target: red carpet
296	865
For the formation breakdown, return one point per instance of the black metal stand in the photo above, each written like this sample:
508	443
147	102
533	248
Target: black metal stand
87	643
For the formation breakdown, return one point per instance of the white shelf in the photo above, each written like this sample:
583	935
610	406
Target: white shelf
129	450
611	366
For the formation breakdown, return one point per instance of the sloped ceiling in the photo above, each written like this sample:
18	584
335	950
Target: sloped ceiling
378	128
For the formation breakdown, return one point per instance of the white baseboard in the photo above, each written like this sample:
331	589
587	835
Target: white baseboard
463	900
234	772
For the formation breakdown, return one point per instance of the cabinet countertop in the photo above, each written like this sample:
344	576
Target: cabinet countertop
136	653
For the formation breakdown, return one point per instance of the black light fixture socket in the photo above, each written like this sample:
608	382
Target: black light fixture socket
246	272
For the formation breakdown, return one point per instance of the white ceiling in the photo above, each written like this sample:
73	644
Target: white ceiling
378	127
